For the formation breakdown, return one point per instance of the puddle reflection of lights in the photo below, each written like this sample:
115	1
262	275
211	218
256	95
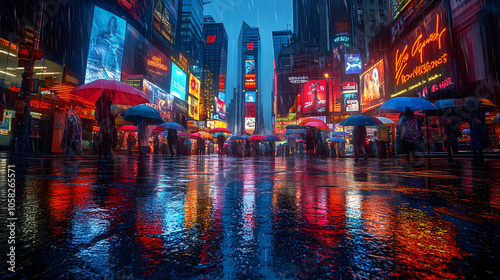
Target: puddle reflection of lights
353	204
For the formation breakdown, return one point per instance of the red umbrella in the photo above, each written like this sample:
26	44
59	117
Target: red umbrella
125	94
318	125
219	129
128	127
257	137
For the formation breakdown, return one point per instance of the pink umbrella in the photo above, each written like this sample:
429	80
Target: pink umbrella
125	94
128	127
300	141
318	125
257	137
219	129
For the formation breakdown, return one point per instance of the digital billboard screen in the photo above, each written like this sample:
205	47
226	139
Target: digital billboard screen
222	82
250	96
221	108
250	110
249	125
107	38
194	86
139	9
159	98
350	100
250	80
353	63
372	86
222	95
194	108
313	97
178	82
165	18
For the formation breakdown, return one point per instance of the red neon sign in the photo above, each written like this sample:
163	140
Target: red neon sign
250	47
156	62
211	39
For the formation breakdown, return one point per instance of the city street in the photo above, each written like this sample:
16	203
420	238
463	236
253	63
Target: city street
188	217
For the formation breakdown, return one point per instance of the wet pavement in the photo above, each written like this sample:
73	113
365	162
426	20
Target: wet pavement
252	218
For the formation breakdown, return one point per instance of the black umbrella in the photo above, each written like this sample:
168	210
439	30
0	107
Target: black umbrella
142	114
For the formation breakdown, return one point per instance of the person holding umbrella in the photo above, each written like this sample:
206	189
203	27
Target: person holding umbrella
359	138
106	120
172	140
409	132
220	142
130	142
143	136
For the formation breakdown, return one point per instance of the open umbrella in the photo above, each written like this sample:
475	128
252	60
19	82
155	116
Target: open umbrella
125	94
245	137
300	141
336	139
219	129
294	126
310	119
171	125
219	133
202	134
271	138
142	113
319	125
340	133
128	127
182	134
361	120
256	137
414	103
385	120
236	138
295	131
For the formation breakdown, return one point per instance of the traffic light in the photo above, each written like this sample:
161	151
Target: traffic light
28	37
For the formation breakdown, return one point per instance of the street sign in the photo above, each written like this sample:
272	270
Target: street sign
34	86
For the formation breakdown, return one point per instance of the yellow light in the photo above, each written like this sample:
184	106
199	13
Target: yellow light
327	75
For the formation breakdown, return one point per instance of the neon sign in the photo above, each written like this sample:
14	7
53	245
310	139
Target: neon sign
39	104
211	39
156	62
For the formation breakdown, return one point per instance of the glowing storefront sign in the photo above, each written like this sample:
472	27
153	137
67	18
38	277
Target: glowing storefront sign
422	63
350	93
194	86
372	86
156	62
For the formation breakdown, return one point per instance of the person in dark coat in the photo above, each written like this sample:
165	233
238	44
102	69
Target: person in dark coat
220	142
479	135
130	142
172	140
359	139
106	121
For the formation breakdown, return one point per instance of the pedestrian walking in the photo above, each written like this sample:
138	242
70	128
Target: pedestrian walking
156	145
130	142
333	152
72	136
143	136
310	141
220	142
359	139
106	121
479	133
452	130
409	132
382	136
172	140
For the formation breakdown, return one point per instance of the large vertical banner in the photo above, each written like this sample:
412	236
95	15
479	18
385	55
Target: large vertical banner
178	82
194	86
250	80
194	108
350	94
372	86
107	37
313	97
165	18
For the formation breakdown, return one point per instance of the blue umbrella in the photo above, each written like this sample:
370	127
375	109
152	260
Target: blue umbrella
337	139
466	131
295	131
271	138
445	103
361	120
414	103
236	138
219	133
142	114
245	137
294	126
171	125
340	133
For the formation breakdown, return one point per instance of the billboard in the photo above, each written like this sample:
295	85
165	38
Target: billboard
372	86
194	108
178	82
353	63
180	106
422	64
350	99
221	108
250	110
222	95
107	37
222	82
250	96
159	98
194	86
138	9
165	18
249	125
313	97
140	57
397	6
250	80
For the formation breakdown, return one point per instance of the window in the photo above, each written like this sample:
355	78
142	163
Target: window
382	15
381	2
372	13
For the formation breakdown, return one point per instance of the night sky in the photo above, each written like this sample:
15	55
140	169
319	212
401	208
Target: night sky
268	16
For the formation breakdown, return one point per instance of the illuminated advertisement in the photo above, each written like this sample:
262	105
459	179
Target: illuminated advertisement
107	37
178	82
221	108
222	82
180	106
353	63
422	64
372	88
139	9
250	96
313	97
350	100
249	125
250	110
282	120
249	66
250	81
222	96
397	6
159	98
194	108
194	86
165	18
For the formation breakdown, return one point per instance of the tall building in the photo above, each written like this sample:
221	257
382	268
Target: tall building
214	70
190	41
310	23
249	120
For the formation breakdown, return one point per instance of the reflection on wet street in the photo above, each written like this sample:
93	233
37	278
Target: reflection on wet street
233	218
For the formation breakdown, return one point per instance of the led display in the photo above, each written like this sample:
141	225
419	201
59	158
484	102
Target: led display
350	100
372	86
313	97
139	9
165	18
178	82
249	125
250	110
107	37
221	108
353	63
250	96
222	96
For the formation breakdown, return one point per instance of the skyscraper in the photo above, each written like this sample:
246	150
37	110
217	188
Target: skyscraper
249	120
214	71
190	32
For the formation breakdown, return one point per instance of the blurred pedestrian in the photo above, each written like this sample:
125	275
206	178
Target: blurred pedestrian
72	137
359	139
143	137
479	134
172	141
382	137
310	142
130	142
452	130
220	142
156	145
106	121
333	152
409	132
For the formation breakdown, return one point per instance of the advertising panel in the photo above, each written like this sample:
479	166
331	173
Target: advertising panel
194	108
249	125
350	100
194	86
221	108
313	97
372	86
107	37
139	9
222	95
353	63
422	64
142	58
222	82
397	6
250	110
178	82
180	106
250	96
250	81
165	18
159	98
